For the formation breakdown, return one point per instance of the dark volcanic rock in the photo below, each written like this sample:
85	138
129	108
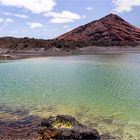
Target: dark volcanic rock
59	127
110	30
12	44
66	127
48	122
25	128
67	118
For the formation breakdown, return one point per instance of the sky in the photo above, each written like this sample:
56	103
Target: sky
50	18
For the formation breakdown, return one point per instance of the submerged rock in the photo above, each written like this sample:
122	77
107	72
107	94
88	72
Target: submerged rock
66	127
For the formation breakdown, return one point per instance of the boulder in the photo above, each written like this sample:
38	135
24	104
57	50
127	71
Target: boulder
66	127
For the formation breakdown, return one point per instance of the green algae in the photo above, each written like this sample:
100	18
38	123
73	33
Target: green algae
62	124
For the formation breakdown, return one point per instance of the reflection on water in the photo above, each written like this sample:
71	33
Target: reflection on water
101	91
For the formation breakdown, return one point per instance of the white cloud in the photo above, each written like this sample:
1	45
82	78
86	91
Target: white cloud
34	25
21	16
9	20
84	16
125	5
7	13
15	32
66	26
1	20
63	17
35	6
44	7
16	15
6	20
89	8
61	20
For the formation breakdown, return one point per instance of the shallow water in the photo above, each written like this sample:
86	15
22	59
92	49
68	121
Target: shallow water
102	91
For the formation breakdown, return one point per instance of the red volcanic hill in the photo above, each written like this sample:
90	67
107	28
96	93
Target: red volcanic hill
109	30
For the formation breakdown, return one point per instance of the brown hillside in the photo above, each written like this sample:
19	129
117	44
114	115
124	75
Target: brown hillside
111	28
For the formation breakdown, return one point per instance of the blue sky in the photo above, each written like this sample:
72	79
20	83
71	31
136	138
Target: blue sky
50	18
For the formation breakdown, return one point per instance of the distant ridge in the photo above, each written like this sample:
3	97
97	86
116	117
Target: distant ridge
111	30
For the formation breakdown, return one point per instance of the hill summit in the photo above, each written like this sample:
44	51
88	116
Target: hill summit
109	30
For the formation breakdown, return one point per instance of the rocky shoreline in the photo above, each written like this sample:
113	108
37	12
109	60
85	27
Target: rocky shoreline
65	52
59	127
66	127
20	123
7	57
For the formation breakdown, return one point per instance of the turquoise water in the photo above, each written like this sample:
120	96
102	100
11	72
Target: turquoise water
90	87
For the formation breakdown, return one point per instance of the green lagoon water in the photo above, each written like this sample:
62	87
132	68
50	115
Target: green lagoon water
99	90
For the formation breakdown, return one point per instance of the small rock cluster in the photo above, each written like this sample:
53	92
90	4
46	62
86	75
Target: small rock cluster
66	127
